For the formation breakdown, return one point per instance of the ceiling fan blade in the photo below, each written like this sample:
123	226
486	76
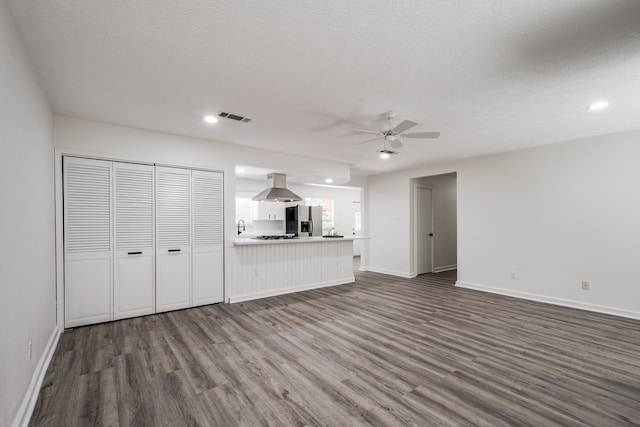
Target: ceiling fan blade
369	131
406	125
421	135
369	140
395	144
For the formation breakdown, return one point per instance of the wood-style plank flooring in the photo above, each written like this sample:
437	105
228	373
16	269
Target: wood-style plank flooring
382	351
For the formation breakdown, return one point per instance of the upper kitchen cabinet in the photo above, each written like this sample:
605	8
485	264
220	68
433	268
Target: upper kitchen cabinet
267	211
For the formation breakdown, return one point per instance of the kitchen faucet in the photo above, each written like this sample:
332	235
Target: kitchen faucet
243	227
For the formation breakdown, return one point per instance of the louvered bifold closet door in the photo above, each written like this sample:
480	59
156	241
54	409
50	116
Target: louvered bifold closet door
134	257
87	241
173	238
208	272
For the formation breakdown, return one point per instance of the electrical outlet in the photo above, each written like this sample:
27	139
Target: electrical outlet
30	350
585	285
514	276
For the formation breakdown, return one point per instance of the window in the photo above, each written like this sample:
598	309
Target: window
327	212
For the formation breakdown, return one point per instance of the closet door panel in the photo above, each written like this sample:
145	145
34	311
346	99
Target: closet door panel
134	275
208	277
173	238
208	271
87	241
88	290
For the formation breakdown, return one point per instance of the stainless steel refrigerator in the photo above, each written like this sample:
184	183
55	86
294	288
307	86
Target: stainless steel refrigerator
304	221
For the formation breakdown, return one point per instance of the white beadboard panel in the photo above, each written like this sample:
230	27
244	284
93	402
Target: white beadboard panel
263	270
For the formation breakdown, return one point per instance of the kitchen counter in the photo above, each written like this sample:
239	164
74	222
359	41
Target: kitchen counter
264	268
242	241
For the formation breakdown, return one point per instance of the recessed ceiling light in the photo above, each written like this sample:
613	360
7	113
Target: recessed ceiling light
211	119
384	156
598	105
328	180
239	170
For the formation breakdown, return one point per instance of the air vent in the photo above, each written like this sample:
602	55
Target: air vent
235	117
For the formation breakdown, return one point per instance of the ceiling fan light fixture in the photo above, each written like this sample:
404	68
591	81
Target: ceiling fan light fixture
385	154
598	105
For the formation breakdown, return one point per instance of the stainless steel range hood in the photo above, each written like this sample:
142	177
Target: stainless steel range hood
277	190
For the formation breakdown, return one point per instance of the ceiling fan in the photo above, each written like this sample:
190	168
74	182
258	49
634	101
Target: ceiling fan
393	135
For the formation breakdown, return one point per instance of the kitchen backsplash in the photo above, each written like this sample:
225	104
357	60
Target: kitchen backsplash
263	227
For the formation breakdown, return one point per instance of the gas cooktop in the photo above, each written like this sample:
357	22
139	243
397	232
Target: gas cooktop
279	237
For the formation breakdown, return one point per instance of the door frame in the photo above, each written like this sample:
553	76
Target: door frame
416	186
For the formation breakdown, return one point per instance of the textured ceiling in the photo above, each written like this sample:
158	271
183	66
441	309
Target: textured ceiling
489	75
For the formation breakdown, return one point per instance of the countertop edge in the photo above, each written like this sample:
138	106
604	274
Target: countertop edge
248	241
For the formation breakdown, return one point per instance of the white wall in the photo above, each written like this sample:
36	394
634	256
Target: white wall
27	264
556	215
444	205
90	138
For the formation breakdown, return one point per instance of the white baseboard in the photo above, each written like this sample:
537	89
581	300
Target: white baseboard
276	292
29	402
552	300
392	272
445	268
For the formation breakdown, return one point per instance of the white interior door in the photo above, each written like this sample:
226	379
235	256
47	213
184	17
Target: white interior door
173	238
134	258
87	241
424	231
208	272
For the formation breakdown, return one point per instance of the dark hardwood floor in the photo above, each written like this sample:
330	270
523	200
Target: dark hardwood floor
382	351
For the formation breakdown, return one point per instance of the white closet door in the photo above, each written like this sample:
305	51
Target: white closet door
87	241
134	256
173	238
208	273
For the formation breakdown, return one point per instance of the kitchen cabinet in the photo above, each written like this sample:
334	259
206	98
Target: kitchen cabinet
267	211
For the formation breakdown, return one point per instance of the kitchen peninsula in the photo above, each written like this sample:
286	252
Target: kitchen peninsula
266	268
